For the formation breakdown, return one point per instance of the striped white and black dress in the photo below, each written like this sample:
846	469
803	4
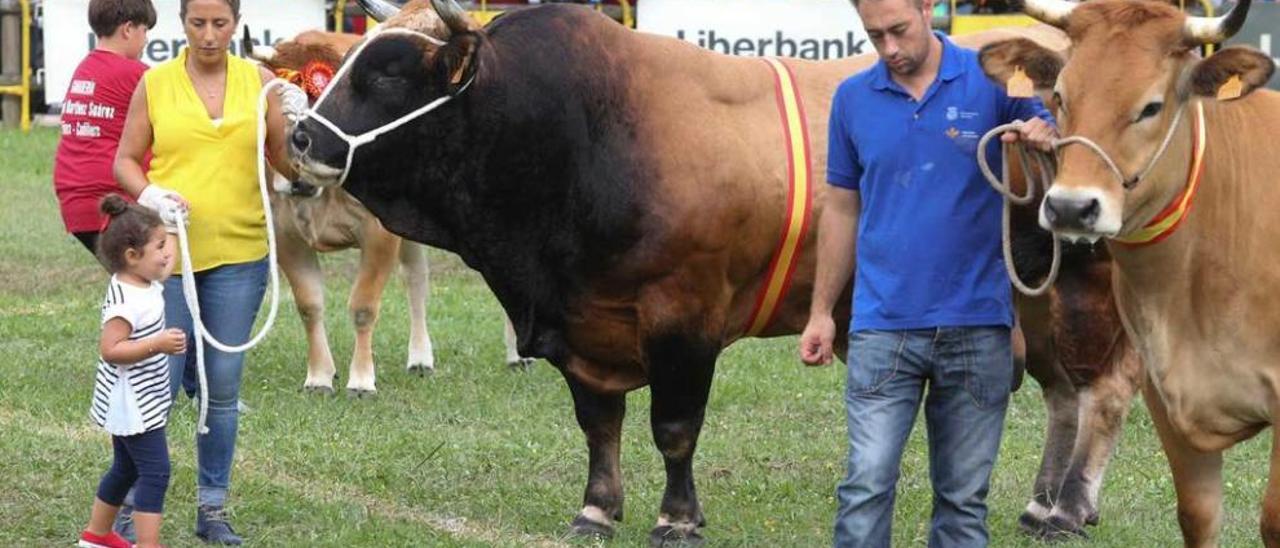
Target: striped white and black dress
143	308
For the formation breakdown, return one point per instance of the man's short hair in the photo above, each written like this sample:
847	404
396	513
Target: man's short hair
105	16
917	3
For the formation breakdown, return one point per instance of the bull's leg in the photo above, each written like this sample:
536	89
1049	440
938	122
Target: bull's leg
1103	408
1270	526
1062	404
1197	477
377	261
306	280
413	257
514	360
600	417
680	373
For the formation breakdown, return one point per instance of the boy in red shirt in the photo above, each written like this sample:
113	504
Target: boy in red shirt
93	113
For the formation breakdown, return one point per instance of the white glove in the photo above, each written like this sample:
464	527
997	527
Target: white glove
293	101
167	203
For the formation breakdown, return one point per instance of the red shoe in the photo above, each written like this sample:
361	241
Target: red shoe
109	540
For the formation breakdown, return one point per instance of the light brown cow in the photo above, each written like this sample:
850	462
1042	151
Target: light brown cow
1152	128
310	220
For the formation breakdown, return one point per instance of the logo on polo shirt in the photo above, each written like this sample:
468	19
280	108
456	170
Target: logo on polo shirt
952	132
952	113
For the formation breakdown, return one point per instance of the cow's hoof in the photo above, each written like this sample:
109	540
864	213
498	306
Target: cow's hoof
318	390
666	536
1057	528
421	369
1092	519
522	364
585	528
361	393
1031	525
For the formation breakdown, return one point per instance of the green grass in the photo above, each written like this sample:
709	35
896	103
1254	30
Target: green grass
475	455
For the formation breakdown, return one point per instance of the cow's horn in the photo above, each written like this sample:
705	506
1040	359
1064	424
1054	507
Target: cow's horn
1198	31
261	53
1052	12
453	15
379	10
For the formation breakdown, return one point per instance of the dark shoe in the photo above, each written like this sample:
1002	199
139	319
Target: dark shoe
123	524
212	527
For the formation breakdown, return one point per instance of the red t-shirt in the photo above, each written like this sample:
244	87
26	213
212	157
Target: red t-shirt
93	114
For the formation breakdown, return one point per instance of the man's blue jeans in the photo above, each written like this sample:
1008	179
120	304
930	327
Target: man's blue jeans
968	372
230	296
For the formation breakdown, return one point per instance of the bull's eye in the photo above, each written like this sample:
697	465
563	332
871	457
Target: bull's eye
1153	108
1058	104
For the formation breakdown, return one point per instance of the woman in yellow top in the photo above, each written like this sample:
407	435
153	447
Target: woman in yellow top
198	115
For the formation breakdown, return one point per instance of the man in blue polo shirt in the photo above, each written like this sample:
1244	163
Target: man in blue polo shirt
932	305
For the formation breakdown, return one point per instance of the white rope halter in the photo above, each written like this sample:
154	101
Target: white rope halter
356	141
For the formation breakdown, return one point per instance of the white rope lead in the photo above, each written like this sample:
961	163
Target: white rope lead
201	333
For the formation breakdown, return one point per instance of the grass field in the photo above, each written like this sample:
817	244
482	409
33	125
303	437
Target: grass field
475	455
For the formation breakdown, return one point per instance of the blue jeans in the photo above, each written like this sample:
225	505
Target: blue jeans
969	372
230	296
141	466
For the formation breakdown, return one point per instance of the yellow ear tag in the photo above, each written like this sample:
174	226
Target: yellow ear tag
1020	85
1231	89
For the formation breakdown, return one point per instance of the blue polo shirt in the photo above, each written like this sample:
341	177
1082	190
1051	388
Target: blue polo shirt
928	247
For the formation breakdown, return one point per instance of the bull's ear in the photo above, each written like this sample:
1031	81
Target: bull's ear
1041	64
1235	71
457	60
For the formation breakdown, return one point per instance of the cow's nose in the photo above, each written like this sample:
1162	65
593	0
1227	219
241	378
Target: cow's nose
1072	213
301	141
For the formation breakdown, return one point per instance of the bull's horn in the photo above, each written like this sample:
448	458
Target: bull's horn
379	10
261	53
1051	12
1199	31
453	15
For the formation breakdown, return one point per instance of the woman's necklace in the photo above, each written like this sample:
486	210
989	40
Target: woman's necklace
203	87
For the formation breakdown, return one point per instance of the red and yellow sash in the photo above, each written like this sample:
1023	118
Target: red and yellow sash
1168	220
799	199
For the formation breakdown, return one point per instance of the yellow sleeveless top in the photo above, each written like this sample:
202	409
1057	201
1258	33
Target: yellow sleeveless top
213	166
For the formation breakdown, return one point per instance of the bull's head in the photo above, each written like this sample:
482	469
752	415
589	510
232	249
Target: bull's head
1131	74
391	82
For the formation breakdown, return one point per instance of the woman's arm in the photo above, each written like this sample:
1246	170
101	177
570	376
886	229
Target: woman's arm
277	137
134	143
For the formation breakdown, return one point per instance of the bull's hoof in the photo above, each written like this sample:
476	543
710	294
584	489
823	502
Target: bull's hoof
666	536
420	369
585	528
318	390
1092	519
361	393
1057	528
522	364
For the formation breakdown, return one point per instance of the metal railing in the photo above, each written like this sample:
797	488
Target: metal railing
22	89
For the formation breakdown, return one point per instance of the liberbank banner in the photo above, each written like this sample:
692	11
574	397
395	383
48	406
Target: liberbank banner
809	29
68	38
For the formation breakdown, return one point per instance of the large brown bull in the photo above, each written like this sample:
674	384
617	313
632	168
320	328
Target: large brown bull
1171	157
310	221
623	195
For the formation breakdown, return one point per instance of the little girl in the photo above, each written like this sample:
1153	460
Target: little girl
131	392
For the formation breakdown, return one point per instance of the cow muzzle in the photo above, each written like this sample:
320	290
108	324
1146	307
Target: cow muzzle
1079	214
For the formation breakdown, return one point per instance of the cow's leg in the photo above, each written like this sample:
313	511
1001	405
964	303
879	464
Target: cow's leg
680	372
377	260
413	257
514	361
1197	477
1062	404
600	417
1104	405
306	280
1271	497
